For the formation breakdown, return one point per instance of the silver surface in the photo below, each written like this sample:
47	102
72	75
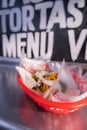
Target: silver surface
19	112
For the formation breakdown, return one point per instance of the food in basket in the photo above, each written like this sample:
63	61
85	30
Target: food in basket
53	81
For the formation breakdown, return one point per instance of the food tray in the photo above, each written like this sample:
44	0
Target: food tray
56	107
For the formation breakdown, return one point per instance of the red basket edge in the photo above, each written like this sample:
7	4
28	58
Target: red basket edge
44	102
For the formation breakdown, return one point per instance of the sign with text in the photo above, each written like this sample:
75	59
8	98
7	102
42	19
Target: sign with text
54	29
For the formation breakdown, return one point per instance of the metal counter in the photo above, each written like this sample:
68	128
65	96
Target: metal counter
19	112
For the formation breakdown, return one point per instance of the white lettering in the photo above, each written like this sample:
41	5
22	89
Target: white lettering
12	3
46	53
57	15
86	52
15	20
36	1
3	15
6	4
20	42
33	1
9	47
43	13
75	48
76	19
33	45
28	15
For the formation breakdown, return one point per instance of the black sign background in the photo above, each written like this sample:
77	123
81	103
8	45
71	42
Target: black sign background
61	44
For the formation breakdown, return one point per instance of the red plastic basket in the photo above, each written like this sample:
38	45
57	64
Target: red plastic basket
56	107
